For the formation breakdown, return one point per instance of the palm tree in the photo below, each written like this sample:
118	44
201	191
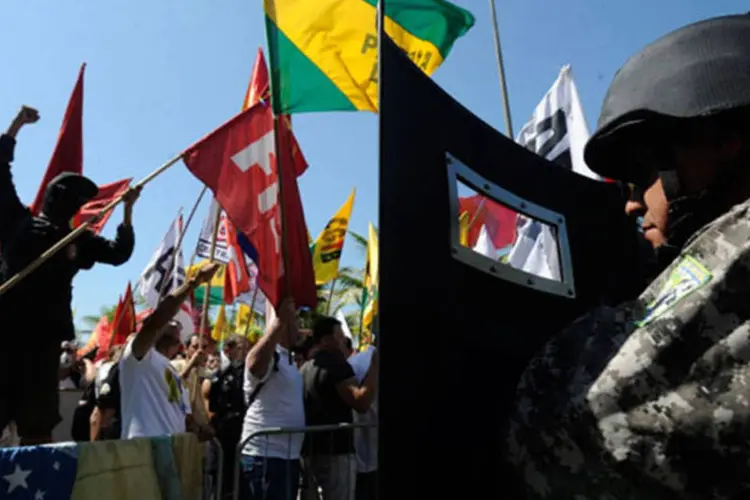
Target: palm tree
347	290
92	320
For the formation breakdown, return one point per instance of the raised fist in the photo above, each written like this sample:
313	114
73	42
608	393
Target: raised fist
27	115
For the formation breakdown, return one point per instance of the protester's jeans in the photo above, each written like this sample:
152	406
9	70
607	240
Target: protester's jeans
269	478
330	477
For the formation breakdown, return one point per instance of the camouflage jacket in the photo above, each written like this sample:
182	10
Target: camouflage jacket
651	399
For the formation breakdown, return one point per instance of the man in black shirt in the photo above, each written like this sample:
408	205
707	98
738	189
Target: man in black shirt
331	392
108	407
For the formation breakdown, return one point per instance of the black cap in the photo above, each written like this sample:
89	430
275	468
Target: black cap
699	70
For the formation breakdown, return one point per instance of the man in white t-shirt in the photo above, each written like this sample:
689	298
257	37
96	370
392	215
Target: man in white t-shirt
273	388
154	399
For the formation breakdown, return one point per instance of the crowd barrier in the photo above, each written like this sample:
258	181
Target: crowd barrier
176	467
305	490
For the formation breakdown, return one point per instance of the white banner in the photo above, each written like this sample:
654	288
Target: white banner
203	249
161	275
558	132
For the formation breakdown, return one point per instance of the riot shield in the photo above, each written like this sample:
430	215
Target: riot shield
458	328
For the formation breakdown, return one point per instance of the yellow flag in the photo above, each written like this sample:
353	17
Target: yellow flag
243	317
372	274
216	281
327	251
221	324
463	229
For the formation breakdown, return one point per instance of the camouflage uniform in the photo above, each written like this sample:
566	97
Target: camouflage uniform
651	399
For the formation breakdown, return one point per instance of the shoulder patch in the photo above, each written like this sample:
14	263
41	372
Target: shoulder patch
687	277
105	389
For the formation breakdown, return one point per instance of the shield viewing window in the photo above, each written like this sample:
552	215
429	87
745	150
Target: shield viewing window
496	231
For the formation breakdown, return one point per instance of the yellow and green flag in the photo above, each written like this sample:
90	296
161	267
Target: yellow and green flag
326	252
216	287
324	52
220	325
370	292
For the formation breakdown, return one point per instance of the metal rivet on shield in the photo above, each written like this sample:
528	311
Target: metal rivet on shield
493	269
454	250
530	282
523	204
487	187
570	292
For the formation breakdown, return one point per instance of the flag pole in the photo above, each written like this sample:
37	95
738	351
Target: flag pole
178	245
330	297
252	310
207	293
501	71
282	220
13	281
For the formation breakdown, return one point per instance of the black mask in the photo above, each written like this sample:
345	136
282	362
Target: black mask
65	196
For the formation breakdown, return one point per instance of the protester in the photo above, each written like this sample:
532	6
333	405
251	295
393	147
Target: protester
331	392
193	373
154	400
273	388
32	367
366	437
648	400
226	404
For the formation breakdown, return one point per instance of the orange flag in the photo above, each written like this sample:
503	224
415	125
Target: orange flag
258	90
68	153
101	331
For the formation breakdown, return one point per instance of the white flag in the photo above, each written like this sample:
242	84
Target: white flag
484	245
162	275
247	297
203	249
558	132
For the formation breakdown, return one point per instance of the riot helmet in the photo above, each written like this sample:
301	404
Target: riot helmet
693	83
65	195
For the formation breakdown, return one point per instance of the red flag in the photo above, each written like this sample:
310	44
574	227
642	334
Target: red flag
259	90
123	324
499	220
101	331
236	277
68	153
238	163
107	193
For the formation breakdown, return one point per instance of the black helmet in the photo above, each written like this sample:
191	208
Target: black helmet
698	71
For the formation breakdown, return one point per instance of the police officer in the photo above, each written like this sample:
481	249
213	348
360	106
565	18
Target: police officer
651	399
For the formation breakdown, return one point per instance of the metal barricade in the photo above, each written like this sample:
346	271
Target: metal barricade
306	484
213	470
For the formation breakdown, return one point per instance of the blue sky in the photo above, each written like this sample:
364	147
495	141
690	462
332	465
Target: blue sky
162	73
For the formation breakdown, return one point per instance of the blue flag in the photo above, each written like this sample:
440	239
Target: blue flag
38	472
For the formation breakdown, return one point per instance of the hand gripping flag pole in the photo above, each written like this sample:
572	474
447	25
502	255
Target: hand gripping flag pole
13	281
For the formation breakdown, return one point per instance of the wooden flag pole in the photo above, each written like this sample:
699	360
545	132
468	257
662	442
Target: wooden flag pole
207	294
80	229
282	220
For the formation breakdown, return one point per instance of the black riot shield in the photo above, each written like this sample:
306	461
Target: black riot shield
458	328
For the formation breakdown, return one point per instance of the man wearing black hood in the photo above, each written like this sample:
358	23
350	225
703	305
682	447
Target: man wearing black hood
651	399
29	360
